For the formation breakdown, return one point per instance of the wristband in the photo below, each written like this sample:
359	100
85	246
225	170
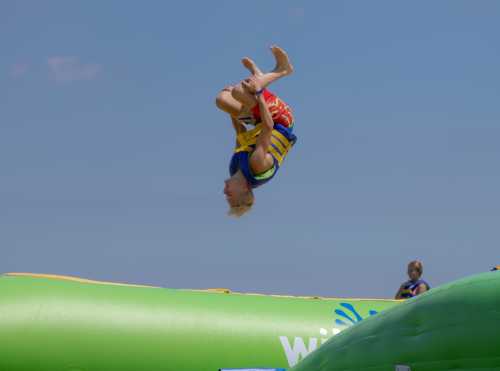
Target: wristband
259	92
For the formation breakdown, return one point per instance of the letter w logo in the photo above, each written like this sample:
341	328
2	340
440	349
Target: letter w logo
298	351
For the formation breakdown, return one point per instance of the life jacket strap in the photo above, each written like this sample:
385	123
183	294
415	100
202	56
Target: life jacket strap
279	147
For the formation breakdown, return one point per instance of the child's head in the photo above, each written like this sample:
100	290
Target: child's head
415	270
239	195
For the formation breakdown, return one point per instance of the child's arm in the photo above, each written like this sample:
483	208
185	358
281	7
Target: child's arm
421	289
237	125
261	160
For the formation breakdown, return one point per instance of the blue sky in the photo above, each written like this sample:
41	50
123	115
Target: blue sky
113	155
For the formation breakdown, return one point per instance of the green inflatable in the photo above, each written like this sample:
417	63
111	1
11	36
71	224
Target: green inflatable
53	323
452	327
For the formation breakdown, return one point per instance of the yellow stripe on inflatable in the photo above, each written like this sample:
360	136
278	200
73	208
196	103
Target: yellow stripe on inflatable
213	290
72	279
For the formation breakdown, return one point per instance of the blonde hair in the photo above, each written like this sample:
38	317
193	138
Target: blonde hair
244	207
238	211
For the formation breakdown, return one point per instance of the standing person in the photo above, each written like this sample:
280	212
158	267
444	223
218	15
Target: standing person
260	150
415	285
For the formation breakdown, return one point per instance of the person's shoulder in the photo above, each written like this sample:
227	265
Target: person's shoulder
425	283
405	284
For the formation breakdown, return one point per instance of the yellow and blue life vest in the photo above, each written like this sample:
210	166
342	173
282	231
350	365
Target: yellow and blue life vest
282	140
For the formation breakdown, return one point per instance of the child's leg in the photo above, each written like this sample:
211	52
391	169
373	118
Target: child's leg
241	98
283	67
251	66
227	103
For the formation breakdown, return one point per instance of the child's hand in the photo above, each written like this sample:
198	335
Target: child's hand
252	85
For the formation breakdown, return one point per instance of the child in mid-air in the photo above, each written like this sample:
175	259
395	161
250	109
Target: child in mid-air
260	150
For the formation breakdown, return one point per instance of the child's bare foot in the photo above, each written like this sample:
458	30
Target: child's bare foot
283	65
251	66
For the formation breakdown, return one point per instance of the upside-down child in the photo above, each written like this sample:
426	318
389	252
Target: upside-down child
261	149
